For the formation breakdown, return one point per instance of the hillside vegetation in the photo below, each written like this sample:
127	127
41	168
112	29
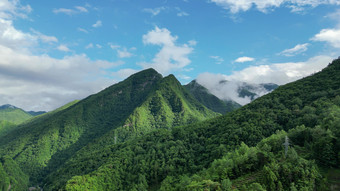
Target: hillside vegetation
124	138
140	104
11	116
308	109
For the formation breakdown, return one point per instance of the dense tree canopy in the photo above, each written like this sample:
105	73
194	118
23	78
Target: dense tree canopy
241	150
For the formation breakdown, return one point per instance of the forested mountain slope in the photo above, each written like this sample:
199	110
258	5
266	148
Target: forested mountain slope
11	116
309	107
143	102
212	102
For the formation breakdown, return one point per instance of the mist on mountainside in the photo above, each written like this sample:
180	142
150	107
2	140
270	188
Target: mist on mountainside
240	92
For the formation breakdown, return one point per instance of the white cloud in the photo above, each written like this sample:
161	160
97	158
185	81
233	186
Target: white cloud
331	36
161	37
114	46
171	56
224	91
63	48
124	53
65	11
335	16
281	73
244	59
48	39
54	81
11	37
235	6
75	10
81	9
192	42
184	77
83	30
45	38
97	24
40	82
89	46
298	49
218	59
10	9
182	14
154	11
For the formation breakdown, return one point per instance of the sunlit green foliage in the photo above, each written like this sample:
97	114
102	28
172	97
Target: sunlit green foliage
10	116
170	155
101	143
11	176
14	115
117	114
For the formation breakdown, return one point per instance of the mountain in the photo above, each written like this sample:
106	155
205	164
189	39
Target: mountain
10	116
13	114
235	91
209	100
140	104
242	149
36	113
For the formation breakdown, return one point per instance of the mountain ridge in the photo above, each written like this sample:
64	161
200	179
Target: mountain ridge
59	135
150	163
212	102
164	157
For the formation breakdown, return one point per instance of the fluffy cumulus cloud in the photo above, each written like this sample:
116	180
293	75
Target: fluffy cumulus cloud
331	36
44	83
244	59
171	56
235	6
298	49
14	38
37	81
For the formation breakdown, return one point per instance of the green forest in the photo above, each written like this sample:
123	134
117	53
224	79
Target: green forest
11	116
150	133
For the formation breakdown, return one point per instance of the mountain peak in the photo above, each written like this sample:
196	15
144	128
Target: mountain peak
146	72
8	106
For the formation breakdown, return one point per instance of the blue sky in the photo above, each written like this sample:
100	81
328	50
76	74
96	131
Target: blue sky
52	52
